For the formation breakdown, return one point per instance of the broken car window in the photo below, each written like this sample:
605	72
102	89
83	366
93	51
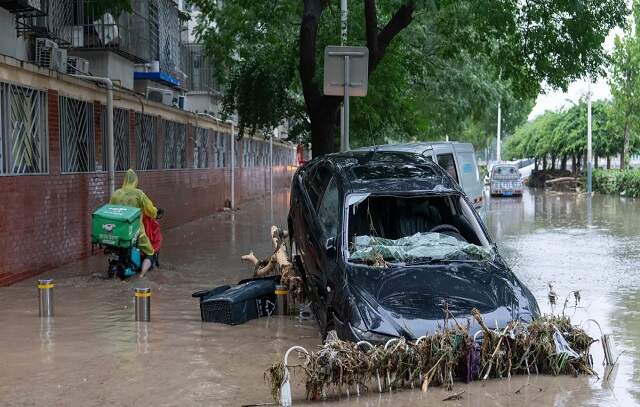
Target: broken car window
329	210
447	162
410	228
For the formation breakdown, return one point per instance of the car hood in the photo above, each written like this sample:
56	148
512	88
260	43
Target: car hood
408	300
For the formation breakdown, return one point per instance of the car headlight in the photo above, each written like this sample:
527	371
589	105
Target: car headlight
369	336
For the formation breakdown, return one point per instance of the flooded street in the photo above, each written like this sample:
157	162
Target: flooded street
92	353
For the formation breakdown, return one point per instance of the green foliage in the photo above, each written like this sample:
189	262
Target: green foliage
624	80
564	134
98	8
617	182
442	76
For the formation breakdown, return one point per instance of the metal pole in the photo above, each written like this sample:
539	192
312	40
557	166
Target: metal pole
110	143
45	298
347	79
343	40
142	297
499	144
275	134
589	140
233	165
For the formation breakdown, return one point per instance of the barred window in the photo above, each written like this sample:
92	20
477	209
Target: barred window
23	130
175	138
200	150
121	150
145	141
76	135
222	144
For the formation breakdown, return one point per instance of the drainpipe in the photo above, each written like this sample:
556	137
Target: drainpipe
110	148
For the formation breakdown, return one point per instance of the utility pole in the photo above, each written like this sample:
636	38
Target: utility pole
343	40
589	139
499	143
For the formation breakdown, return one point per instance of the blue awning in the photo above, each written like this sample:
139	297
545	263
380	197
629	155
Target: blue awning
157	76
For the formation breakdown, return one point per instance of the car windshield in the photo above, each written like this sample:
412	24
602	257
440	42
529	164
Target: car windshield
505	170
411	230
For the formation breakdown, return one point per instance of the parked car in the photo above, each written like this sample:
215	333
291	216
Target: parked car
385	239
505	180
458	159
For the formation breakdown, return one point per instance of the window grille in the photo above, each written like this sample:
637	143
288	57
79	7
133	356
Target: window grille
200	150
174	145
77	135
145	141
23	130
223	145
121	150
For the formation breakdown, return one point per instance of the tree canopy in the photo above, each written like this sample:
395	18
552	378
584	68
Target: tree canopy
437	67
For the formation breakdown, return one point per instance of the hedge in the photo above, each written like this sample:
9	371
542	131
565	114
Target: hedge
617	182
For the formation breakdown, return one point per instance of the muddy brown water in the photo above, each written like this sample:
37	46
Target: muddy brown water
92	353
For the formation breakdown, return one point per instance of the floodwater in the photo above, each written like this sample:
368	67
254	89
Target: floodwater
93	353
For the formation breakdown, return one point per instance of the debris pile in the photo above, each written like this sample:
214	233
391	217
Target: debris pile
548	345
278	264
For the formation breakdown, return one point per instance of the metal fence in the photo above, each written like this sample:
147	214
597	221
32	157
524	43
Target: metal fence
121	148
126	33
23	130
77	148
146	127
56	22
199	70
175	145
201	147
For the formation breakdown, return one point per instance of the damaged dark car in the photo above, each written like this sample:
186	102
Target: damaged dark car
389	246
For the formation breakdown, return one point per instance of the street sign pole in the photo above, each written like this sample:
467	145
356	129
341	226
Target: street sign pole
589	140
343	40
347	80
499	142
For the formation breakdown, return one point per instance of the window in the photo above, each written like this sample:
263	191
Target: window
76	135
316	182
122	158
329	209
23	130
175	138
200	150
145	141
221	149
447	162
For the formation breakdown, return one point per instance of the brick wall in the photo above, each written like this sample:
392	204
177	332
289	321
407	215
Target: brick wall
45	219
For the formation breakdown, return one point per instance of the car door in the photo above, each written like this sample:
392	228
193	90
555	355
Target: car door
308	230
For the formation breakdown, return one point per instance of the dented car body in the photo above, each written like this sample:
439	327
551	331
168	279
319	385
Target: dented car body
390	246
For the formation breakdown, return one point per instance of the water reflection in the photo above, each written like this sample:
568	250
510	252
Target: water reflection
47	343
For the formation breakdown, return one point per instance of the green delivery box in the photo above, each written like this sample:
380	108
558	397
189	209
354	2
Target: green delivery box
115	225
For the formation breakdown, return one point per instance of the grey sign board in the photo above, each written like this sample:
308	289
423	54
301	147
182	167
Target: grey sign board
350	62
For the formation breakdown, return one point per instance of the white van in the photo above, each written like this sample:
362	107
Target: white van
458	159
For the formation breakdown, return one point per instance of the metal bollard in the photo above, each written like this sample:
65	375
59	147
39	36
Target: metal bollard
45	298
281	300
143	304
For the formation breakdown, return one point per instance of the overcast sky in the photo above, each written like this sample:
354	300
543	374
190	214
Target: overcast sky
554	100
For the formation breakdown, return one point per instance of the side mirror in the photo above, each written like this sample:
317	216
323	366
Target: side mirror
330	246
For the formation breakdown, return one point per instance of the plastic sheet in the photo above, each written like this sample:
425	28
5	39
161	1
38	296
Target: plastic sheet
434	246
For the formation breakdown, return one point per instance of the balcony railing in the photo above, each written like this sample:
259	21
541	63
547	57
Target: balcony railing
129	34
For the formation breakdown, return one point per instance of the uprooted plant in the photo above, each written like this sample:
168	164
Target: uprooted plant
547	345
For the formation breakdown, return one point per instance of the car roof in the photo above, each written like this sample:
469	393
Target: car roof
389	172
418	146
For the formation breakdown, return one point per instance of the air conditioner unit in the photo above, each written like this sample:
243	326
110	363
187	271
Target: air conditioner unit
44	47
59	60
167	98
164	97
181	101
77	65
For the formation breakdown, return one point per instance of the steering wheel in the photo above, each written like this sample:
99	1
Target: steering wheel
448	230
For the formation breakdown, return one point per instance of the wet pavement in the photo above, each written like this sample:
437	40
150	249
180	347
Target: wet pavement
92	353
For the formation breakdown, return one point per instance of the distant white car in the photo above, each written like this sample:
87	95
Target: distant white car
458	159
505	180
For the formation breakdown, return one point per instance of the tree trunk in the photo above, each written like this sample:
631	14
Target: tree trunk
553	162
608	162
322	109
544	162
595	161
535	165
573	164
625	148
563	163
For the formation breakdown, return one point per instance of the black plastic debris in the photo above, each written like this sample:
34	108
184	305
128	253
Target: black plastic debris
250	299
